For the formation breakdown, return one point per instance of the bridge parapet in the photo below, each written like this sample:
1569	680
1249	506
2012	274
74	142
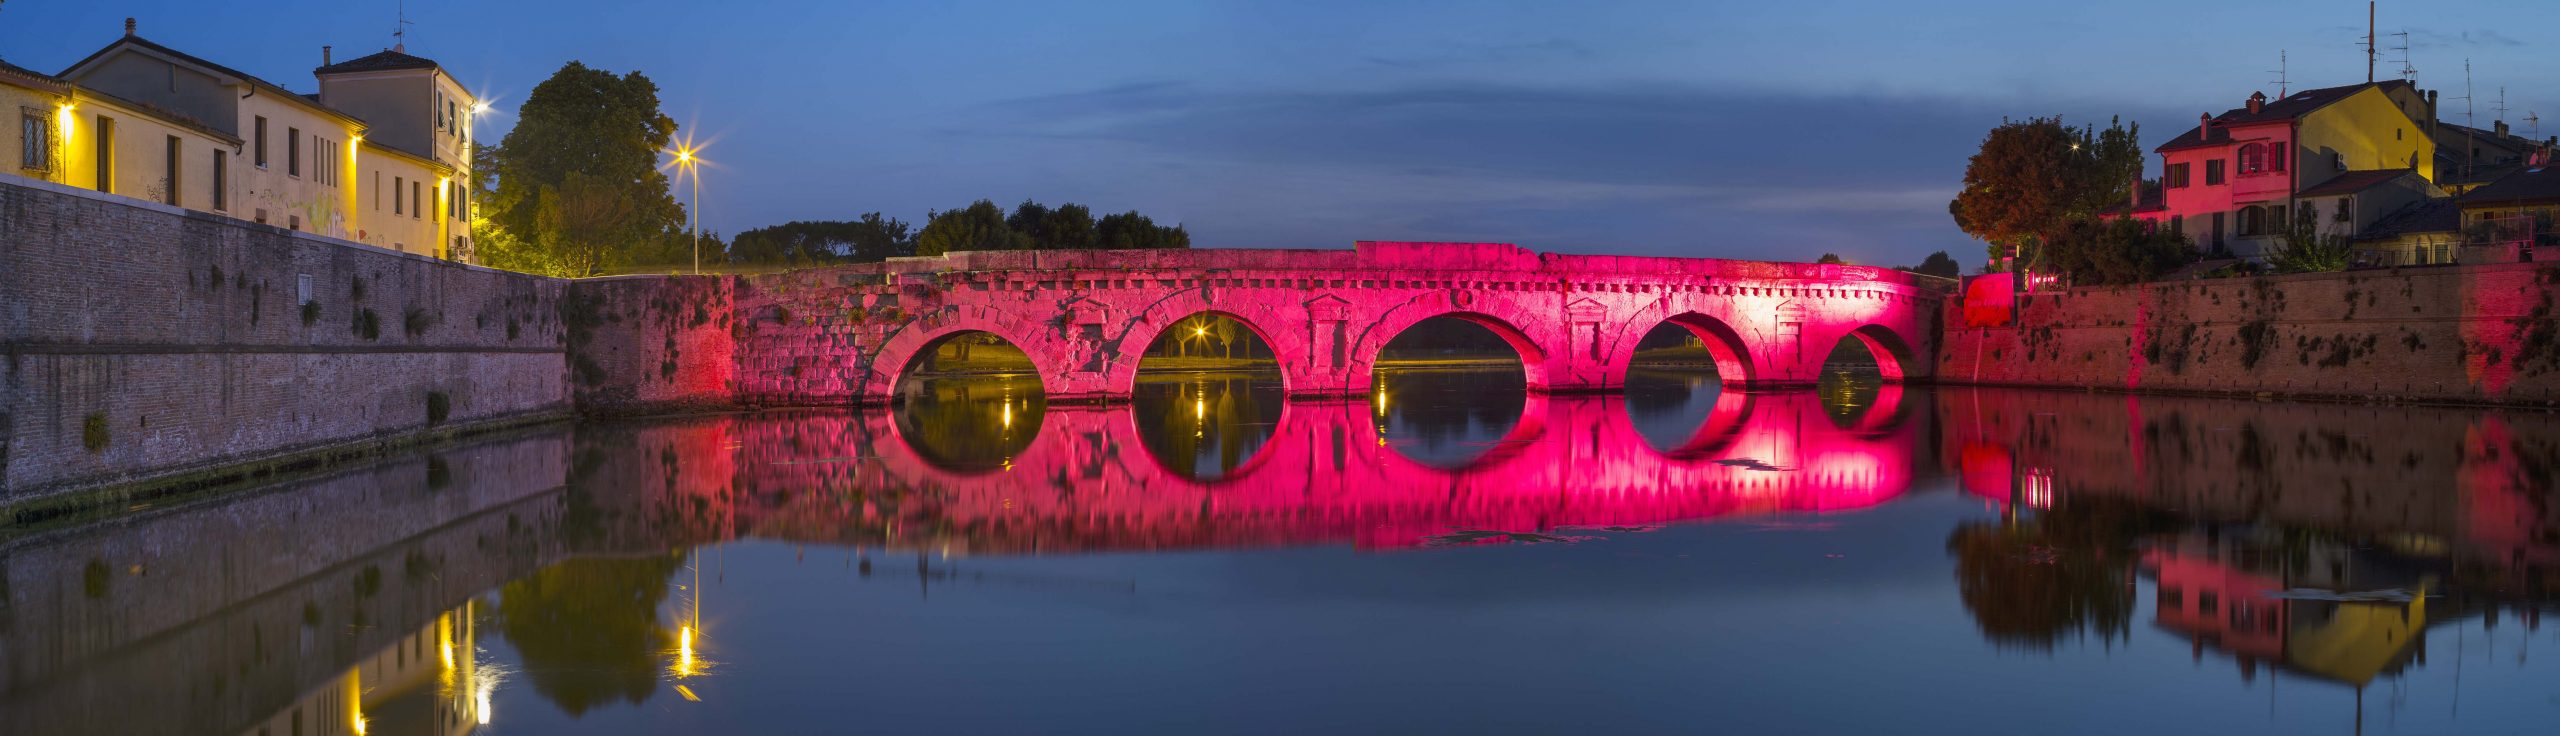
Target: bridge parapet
846	334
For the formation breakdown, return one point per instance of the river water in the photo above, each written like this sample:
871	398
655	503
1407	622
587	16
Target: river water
1448	554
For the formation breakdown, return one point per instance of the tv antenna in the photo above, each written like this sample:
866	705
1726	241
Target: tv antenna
2408	71
2502	104
400	27
2282	89
2532	124
2370	52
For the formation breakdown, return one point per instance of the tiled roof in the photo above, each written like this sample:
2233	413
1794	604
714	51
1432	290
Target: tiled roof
30	75
2535	184
2438	215
385	61
261	84
2292	106
2353	181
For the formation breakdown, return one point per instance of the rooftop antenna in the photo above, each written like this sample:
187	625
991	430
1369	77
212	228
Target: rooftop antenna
2283	89
2408	71
2370	52
400	27
2532	124
2502	104
2467	123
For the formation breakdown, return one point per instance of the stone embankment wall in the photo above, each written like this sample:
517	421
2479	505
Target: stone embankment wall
2464	334
150	344
651	343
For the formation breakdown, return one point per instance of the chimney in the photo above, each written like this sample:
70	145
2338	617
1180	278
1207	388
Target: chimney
2204	127
324	55
128	26
2257	102
2136	206
2501	127
2431	113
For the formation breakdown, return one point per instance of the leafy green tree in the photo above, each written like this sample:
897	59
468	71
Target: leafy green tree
871	239
2305	247
1130	230
2033	177
979	226
1829	259
2117	251
576	182
1938	264
1069	227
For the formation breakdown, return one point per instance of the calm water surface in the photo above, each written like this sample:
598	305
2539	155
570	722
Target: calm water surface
1448	554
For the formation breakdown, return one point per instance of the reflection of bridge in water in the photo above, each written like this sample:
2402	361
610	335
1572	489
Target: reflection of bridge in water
1086	480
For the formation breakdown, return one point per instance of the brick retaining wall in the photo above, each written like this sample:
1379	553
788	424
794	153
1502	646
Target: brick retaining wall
146	343
2468	334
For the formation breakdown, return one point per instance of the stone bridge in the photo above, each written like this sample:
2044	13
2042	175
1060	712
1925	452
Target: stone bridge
845	334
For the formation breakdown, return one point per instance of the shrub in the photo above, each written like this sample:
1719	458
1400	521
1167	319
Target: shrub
94	432
439	406
310	313
416	322
364	323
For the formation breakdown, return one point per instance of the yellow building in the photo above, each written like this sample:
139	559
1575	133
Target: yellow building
381	155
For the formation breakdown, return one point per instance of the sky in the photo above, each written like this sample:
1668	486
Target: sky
1765	130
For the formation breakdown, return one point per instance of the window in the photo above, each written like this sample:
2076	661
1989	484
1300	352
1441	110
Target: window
2275	158
293	152
2253	221
221	181
35	140
2213	172
2253	158
170	162
262	141
105	155
2177	176
2171	597
2346	209
417	200
2208	602
396	185
377	191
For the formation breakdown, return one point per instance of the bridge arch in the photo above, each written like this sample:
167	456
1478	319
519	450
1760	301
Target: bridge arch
1891	352
1492	311
1732	355
900	352
1159	318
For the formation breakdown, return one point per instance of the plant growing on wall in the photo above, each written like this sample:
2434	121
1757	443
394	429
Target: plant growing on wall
2306	248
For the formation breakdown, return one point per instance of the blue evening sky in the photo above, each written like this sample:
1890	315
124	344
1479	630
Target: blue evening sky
1758	130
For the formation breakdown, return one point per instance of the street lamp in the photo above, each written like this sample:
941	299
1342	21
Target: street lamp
685	164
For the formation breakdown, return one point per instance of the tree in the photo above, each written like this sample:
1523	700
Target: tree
1829	259
1070	226
1130	230
1938	264
576	181
2116	251
2305	248
2032	177
979	226
871	239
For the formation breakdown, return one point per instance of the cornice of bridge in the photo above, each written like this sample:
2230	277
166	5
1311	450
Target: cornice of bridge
1372	265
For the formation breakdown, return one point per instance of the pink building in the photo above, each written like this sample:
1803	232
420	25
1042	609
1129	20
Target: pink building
2349	154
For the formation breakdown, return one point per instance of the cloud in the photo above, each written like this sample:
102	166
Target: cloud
2423	39
1630	168
1552	49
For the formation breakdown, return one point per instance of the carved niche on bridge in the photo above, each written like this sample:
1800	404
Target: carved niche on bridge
1584	316
1083	320
1326	316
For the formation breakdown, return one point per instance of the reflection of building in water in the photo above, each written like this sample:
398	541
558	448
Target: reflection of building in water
427	682
2232	593
228	615
2472	485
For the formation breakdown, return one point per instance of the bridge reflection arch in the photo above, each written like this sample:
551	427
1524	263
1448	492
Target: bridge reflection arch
1890	351
1496	313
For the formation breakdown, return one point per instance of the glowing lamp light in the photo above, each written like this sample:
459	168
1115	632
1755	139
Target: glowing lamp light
479	108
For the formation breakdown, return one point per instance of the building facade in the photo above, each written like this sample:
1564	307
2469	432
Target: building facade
384	161
2237	180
